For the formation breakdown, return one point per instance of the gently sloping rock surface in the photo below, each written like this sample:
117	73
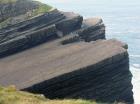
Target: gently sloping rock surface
84	70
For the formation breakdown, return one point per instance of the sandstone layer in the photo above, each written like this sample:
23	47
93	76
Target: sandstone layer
62	55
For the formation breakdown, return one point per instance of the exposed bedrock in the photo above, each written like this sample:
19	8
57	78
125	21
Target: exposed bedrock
32	24
71	22
98	70
87	66
92	29
63	23
27	40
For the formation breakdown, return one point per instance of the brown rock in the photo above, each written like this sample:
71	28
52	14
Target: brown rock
92	29
71	23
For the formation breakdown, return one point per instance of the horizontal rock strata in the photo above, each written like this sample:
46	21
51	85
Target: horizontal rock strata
92	29
82	70
73	62
30	33
72	22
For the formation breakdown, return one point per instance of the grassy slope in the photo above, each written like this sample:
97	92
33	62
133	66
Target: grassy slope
7	1
11	96
42	8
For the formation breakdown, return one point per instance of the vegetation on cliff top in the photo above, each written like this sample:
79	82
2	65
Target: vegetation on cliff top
7	1
31	13
10	95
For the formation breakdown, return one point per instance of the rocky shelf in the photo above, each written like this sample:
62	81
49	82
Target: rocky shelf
61	55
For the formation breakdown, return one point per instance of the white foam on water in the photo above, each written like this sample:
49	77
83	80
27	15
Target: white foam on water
136	82
135	56
136	66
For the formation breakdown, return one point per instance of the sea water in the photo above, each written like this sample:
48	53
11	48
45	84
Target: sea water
122	20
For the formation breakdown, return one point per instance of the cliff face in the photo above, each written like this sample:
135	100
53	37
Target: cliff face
88	71
75	60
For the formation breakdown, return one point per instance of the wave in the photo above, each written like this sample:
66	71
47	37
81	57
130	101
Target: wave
136	82
135	56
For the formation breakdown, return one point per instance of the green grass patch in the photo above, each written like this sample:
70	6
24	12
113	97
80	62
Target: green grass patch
7	1
43	8
10	95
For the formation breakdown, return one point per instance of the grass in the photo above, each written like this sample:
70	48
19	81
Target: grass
7	1
10	95
41	9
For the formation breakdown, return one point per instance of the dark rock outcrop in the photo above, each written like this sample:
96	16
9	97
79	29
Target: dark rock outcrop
92	29
71	22
28	40
98	70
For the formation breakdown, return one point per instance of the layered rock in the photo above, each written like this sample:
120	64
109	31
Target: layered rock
26	41
92	29
71	23
98	70
25	29
73	62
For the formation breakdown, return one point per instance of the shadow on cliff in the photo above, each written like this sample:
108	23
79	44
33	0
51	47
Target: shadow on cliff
28	46
89	84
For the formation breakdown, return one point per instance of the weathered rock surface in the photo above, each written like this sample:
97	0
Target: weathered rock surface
92	29
73	63
71	22
97	70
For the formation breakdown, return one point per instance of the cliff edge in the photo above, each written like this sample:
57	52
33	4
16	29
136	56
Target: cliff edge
61	55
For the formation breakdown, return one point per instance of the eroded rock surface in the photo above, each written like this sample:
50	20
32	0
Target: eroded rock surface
71	22
97	70
92	29
75	60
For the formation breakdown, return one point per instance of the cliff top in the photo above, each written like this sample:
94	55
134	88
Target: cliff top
7	1
15	11
59	61
10	95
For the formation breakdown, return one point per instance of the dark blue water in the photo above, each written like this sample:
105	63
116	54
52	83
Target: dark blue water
122	20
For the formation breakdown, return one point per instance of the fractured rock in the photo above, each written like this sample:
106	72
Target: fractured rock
27	40
71	22
98	70
92	29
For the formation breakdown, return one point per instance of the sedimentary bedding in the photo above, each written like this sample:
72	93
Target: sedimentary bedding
82	70
75	60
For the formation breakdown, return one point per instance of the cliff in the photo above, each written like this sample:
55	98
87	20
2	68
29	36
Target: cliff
74	61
